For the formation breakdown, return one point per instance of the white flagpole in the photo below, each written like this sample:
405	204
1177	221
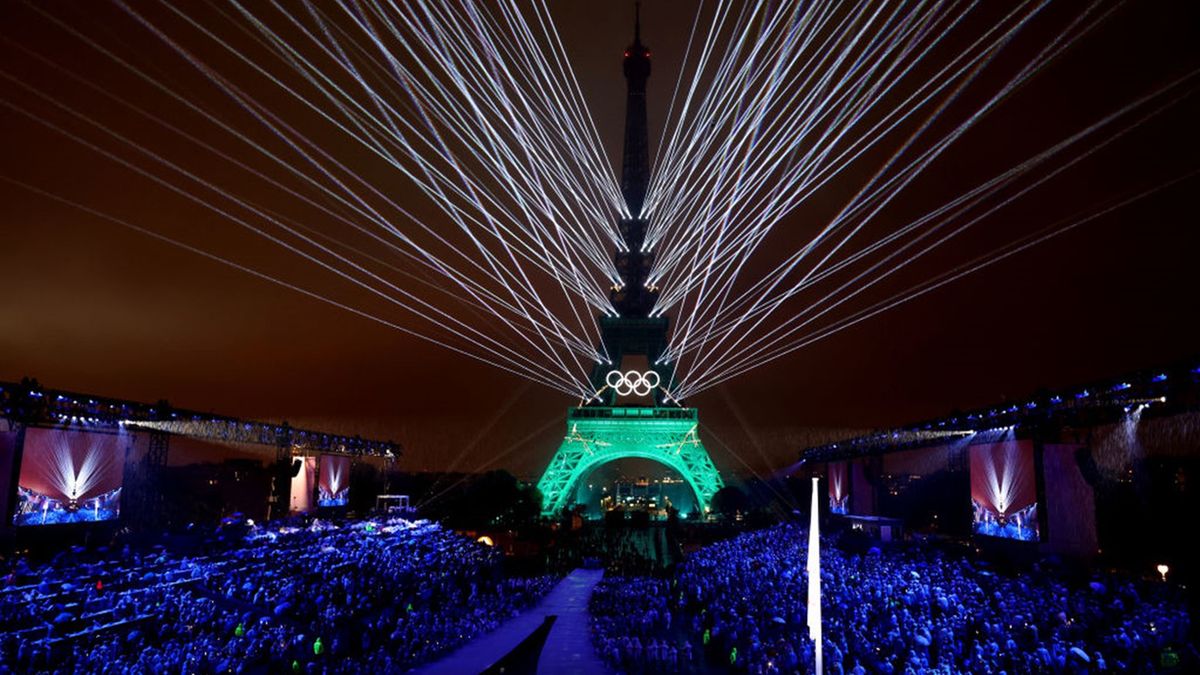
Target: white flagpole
814	578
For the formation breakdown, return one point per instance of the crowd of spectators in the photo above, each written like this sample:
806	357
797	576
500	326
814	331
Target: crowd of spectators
741	604
367	596
386	595
622	551
634	629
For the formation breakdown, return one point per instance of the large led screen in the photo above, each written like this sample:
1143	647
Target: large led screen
333	488
839	487
69	477
1004	490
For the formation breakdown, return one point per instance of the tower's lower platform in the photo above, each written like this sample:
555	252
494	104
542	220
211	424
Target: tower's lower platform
598	435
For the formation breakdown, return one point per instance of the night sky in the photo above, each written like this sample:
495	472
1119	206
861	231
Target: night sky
93	307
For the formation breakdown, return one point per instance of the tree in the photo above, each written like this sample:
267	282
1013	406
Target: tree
729	501
495	499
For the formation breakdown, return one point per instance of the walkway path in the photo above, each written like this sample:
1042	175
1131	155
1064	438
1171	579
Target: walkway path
568	649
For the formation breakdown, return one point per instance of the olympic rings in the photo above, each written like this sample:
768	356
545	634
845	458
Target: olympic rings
632	382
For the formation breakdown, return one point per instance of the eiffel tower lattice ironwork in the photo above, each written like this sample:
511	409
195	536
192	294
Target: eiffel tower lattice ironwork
632	414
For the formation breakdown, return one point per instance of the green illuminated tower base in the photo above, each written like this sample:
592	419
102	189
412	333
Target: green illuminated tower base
598	435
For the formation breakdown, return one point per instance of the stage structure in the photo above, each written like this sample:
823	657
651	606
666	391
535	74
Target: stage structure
631	414
26	405
1170	390
1029	471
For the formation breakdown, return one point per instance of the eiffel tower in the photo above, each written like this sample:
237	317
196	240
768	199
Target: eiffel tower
631	414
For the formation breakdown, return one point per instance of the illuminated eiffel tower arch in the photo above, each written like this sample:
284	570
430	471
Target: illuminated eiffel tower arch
631	414
600	435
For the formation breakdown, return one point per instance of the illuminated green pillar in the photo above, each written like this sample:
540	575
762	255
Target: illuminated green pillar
599	435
